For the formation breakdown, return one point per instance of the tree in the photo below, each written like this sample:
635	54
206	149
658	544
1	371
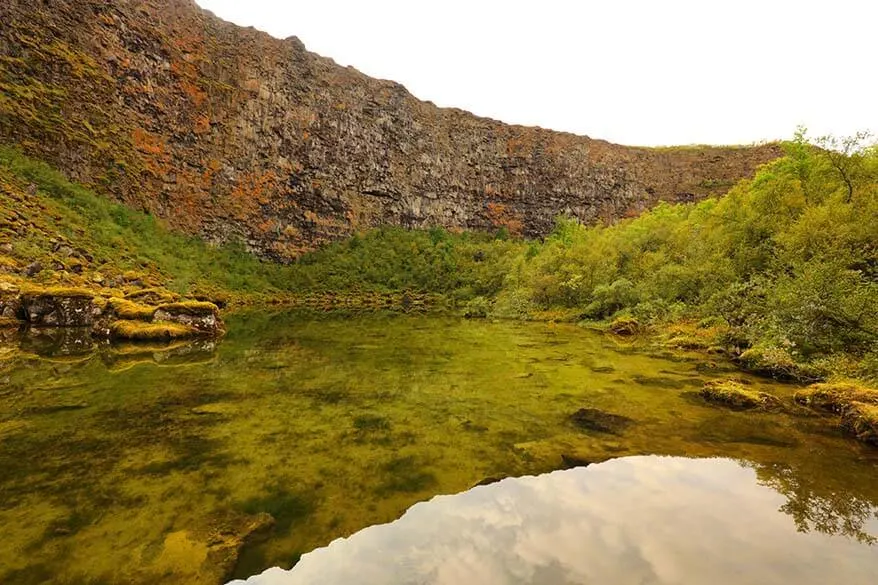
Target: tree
845	155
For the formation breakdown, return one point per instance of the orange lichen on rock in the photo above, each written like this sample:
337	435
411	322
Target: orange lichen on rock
501	215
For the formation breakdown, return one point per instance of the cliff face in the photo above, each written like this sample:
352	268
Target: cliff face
228	133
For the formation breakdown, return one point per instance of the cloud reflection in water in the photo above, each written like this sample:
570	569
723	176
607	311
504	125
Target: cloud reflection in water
637	520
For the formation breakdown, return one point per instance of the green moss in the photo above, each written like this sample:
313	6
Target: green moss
734	394
153	295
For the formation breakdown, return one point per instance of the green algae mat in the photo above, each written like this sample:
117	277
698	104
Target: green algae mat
211	461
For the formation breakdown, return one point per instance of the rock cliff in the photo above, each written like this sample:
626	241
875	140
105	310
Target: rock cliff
230	134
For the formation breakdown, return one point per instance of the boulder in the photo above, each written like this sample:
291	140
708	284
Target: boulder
10	306
860	419
196	314
733	394
61	308
33	269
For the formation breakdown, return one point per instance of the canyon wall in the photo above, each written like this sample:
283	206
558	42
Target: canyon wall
230	134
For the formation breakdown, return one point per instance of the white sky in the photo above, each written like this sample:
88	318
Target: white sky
630	71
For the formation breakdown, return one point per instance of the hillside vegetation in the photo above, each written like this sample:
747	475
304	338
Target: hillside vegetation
785	266
782	271
58	233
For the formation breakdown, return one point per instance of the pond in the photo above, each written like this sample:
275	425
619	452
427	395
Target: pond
207	462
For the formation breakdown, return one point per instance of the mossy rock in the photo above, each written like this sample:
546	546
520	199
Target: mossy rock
690	342
625	326
835	396
58	292
777	363
861	420
140	331
733	394
857	405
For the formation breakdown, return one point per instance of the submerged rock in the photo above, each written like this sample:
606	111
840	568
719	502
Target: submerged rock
593	419
735	395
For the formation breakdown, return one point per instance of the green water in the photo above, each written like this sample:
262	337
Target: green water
158	465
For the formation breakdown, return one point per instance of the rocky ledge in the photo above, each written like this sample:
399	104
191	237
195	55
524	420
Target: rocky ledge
108	318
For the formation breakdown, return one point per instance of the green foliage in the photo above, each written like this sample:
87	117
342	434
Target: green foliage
463	266
788	260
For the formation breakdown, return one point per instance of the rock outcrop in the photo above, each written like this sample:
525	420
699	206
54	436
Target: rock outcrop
60	309
231	134
93	316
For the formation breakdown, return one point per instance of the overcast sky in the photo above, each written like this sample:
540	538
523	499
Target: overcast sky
647	72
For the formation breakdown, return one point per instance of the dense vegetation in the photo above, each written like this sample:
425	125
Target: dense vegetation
783	269
787	262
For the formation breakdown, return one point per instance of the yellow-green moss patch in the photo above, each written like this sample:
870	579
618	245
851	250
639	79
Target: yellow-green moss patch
140	331
836	396
131	311
152	295
60	292
736	395
190	308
